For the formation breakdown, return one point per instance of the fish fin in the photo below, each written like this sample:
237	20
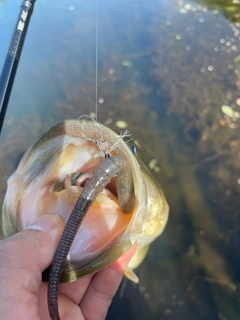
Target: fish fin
131	275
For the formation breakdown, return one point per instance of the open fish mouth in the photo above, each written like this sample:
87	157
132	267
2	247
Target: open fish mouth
101	227
53	173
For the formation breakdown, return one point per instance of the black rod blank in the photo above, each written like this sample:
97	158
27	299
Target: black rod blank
13	56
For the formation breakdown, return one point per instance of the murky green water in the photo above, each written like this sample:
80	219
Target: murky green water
167	68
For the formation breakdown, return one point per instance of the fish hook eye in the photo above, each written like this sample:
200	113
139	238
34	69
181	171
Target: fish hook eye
133	149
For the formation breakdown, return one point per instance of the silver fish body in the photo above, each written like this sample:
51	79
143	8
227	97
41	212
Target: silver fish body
79	147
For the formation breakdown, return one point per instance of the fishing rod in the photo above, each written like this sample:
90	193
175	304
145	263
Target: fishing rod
14	52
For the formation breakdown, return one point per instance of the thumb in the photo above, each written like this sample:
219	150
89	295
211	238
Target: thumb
25	255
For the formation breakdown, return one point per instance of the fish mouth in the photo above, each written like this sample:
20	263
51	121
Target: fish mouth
103	223
98	241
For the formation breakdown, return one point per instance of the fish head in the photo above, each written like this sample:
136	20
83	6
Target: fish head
52	175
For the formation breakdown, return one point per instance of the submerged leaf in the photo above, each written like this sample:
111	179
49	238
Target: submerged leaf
178	37
121	124
227	110
236	59
188	6
230	8
126	63
152	163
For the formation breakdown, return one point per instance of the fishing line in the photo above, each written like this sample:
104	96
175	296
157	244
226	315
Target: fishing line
96	63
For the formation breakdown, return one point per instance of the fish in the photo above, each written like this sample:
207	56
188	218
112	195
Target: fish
52	175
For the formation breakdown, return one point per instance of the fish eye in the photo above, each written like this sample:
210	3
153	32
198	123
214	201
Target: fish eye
133	149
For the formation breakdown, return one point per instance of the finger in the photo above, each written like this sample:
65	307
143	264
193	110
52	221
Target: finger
103	288
26	254
68	309
75	290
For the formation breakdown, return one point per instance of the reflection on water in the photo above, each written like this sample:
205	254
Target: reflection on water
171	70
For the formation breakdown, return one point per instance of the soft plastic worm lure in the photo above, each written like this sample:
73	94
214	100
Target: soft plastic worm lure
112	166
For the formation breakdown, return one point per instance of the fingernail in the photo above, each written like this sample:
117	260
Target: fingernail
45	223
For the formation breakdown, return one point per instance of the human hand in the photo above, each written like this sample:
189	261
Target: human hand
23	258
